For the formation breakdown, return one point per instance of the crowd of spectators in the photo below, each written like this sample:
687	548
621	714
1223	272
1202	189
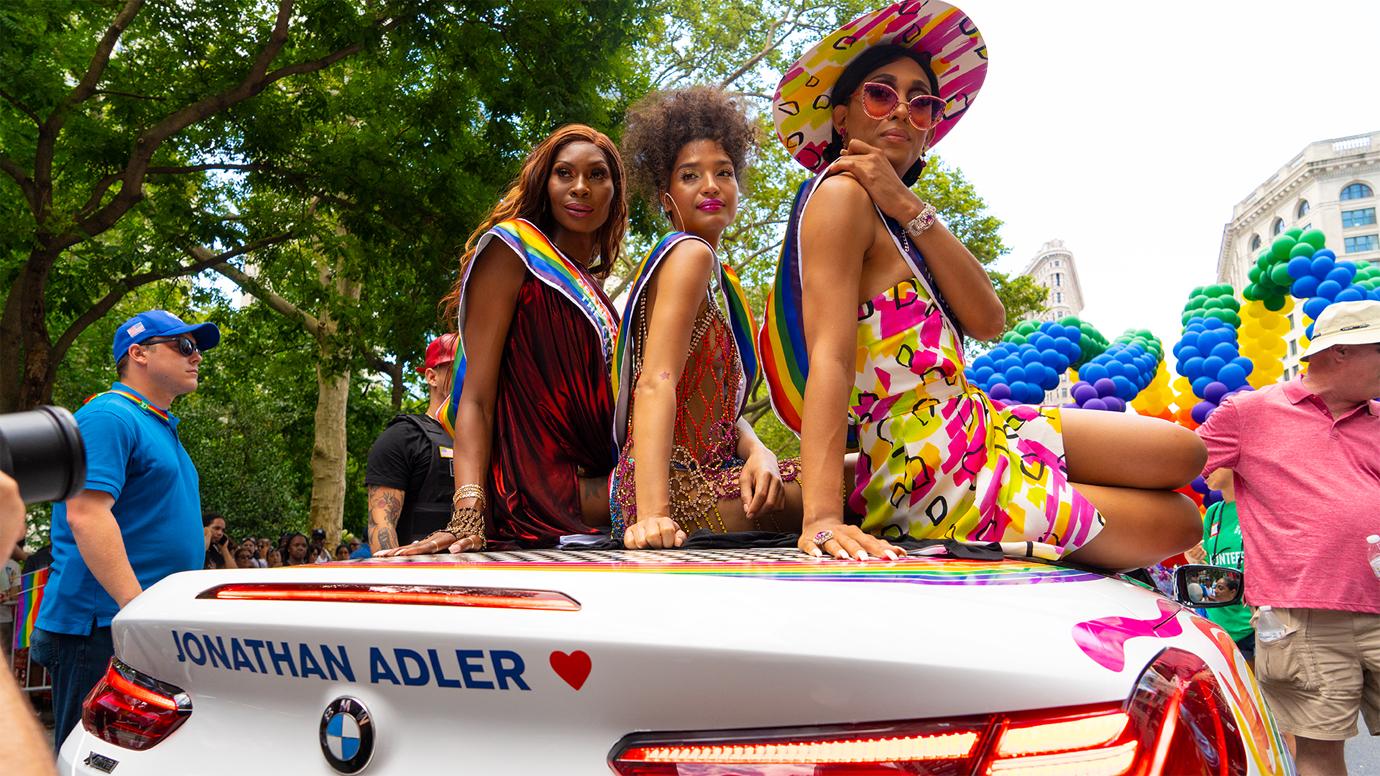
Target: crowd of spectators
291	549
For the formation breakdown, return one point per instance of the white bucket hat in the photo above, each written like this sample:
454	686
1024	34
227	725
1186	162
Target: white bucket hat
1345	323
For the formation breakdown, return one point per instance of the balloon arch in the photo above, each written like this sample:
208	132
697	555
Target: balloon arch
1227	345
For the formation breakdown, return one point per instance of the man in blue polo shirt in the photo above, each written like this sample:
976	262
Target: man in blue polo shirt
139	518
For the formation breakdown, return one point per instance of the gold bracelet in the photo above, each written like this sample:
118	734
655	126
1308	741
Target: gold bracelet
470	490
467	521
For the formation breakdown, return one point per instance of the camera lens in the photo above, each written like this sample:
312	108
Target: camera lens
42	450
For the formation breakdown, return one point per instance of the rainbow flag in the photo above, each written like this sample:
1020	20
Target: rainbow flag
546	262
731	298
26	608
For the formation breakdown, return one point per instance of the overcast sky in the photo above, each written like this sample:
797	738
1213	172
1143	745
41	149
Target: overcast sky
1130	130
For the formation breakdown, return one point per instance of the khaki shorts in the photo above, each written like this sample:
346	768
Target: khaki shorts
1323	673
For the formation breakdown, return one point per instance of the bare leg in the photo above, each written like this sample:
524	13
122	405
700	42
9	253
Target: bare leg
1130	451
1143	527
1320	758
594	501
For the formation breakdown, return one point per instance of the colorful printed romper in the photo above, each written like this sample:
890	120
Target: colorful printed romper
938	458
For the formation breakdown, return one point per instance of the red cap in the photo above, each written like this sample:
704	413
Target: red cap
440	351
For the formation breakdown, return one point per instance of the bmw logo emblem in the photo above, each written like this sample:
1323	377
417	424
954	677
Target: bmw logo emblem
347	735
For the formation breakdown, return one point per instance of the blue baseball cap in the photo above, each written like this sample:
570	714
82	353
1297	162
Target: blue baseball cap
161	323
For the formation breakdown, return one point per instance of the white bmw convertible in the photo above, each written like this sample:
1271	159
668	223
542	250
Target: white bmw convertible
675	662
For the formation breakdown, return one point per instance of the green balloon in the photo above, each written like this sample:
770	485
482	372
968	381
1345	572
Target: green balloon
1233	319
1294	233
1186	317
1225	289
1280	274
1301	249
1315	238
1250	292
1280	248
1274	303
1230	303
1253	274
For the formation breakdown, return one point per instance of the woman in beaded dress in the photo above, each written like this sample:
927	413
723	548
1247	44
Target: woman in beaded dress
872	300
685	357
532	404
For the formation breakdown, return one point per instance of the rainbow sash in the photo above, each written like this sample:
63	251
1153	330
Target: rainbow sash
785	360
545	261
730	297
26	608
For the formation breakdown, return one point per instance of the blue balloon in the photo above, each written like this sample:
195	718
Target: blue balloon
1308	331
1063	363
1212	365
1125	389
1375	294
1213	323
1199	384
1030	356
1328	252
1114	368
1092	372
1192	368
1304	287
1125	356
1328	289
1232	376
1050	358
1225	351
1351	294
1314	307
1343	273
1014	375
1322	265
1187	352
983	374
1300	266
1043	342
1246	364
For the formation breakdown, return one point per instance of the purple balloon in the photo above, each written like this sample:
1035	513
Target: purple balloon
1095	404
1105	387
1115	404
1214	392
1201	410
1082	391
1199	484
1000	392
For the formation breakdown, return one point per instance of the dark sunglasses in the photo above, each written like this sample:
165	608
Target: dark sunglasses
185	345
879	100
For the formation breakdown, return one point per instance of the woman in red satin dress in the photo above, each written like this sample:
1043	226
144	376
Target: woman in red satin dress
534	407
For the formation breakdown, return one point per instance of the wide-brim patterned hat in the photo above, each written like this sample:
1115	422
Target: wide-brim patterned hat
802	109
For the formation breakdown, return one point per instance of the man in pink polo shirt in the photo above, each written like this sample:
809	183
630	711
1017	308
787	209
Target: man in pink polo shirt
1306	456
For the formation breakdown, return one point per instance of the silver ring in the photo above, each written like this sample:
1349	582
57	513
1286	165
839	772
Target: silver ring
823	537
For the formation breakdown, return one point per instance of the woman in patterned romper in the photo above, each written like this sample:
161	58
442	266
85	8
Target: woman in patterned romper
685	358
871	303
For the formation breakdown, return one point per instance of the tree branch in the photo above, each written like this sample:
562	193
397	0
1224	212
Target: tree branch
87	86
266	295
103	185
752	61
11	99
19	175
123	286
114	93
255	81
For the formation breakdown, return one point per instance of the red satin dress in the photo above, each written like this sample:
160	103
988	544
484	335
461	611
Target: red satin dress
552	420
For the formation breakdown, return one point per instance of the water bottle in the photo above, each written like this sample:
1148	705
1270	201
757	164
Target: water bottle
1373	549
1268	627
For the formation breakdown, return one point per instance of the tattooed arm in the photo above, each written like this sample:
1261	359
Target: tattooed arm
385	504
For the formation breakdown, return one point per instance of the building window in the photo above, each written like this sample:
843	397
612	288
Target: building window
1293	347
1363	217
1059	298
1302	209
1059	279
1362	243
1255	242
1357	191
1056	262
1277	227
1306	227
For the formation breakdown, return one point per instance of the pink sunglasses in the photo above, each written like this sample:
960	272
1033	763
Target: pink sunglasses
879	100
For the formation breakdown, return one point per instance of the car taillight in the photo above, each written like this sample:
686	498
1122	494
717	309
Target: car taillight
1176	722
930	748
1183	721
130	709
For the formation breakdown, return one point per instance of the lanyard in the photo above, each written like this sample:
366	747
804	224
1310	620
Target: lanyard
162	414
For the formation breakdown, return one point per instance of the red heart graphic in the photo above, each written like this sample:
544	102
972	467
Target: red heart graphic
574	668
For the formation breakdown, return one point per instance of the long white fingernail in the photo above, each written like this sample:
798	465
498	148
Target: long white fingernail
891	555
862	555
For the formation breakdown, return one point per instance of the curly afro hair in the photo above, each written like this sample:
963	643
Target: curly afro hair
662	123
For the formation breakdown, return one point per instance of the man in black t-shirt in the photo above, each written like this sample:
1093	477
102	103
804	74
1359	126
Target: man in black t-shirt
410	475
